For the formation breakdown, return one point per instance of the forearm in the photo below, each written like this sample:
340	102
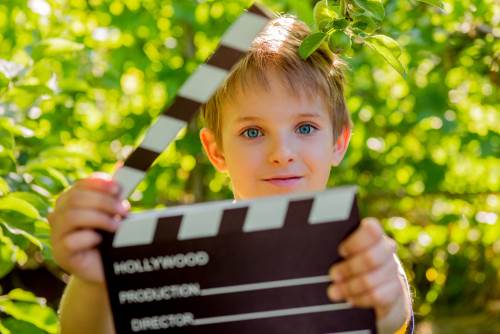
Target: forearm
85	309
399	318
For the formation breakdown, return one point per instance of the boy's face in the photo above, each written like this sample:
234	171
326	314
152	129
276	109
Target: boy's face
275	142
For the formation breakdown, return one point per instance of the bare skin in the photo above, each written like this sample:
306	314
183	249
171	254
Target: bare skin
92	203
368	277
273	143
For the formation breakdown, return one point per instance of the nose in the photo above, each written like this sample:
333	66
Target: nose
282	150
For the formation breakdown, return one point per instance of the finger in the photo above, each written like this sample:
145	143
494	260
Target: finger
81	240
85	219
100	182
367	282
90	199
380	298
368	233
366	261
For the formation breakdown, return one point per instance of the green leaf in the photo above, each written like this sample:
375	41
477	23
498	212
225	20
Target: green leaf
35	88
4	81
340	24
437	3
16	233
311	44
14	326
374	8
33	312
387	48
55	47
365	24
4	187
8	256
23	296
74	85
7	128
19	206
323	15
34	199
42	233
47	177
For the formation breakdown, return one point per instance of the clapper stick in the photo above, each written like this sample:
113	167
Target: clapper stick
249	267
197	89
255	266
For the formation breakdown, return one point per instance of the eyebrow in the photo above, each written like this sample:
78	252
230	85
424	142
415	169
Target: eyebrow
255	118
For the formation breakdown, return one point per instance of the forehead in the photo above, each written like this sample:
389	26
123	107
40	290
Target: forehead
271	99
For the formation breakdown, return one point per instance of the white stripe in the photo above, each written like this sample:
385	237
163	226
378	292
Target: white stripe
161	133
200	224
265	214
363	331
128	178
203	83
332	206
241	34
272	314
265	285
136	231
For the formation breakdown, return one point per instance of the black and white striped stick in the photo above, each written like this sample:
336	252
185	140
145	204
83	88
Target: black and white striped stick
197	89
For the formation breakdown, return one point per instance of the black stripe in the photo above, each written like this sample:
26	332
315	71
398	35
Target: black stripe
259	10
225	57
233	220
183	109
354	215
298	212
141	159
167	229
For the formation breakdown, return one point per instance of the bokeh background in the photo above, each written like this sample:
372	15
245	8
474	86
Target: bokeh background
81	81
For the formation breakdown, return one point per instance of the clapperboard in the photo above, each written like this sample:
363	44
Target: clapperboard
256	266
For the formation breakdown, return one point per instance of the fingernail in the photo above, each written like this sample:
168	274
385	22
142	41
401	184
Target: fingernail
115	188
336	275
122	210
335	293
116	222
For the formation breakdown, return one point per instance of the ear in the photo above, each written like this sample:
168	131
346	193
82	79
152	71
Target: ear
341	146
213	151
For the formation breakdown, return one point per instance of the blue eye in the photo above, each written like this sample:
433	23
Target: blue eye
252	133
306	129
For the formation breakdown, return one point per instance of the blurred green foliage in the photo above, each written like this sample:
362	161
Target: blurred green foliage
81	81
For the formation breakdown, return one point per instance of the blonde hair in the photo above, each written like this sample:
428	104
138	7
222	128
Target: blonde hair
275	50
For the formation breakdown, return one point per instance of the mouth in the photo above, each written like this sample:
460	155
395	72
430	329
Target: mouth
284	181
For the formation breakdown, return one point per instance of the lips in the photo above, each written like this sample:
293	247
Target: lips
284	180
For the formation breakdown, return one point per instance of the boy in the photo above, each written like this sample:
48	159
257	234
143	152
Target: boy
276	126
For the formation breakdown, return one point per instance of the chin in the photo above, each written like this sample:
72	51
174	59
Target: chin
281	191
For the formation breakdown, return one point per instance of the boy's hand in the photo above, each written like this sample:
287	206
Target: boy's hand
369	276
92	203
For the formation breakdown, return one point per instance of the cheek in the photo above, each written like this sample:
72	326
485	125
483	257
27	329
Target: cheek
241	159
319	157
318	150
